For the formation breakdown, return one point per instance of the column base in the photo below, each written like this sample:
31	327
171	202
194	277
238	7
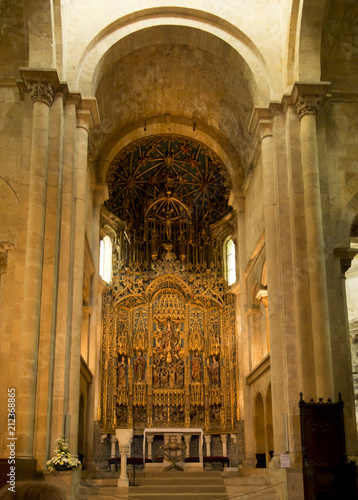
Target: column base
275	462
123	482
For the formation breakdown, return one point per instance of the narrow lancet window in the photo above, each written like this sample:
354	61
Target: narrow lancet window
105	259
230	262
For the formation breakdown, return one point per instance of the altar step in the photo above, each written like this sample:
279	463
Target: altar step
203	485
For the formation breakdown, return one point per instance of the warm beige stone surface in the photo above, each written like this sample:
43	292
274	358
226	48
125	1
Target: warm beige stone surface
223	73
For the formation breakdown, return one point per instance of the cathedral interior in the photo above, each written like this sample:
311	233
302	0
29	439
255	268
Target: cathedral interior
178	229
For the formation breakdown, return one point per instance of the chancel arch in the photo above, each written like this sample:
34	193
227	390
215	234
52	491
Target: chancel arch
169	348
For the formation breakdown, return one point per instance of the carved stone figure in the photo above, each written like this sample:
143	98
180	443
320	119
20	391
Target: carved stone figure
173	451
215	372
139	367
164	376
180	374
196	368
121	373
156	376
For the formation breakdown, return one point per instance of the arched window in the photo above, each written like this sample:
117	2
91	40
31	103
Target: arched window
105	259
230	262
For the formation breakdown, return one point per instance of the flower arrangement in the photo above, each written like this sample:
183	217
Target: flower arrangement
62	459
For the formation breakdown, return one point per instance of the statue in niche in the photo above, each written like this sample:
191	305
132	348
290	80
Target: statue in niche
215	412
196	368
215	372
164	376
121	373
139	367
180	373
121	413
156	376
172	376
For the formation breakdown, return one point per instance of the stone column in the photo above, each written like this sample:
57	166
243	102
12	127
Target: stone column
307	108
150	446
224	438
207	438
123	481
81	180
113	446
187	439
42	95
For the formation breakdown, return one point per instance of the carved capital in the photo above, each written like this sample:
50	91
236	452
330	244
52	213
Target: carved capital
262	296
123	449
41	92
224	438
308	105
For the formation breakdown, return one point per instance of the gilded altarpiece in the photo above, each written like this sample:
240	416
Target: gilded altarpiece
169	353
